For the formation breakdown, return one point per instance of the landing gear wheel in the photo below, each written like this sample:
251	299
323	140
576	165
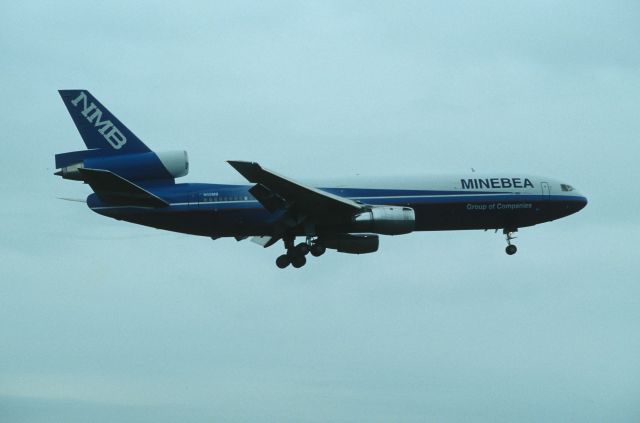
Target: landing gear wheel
298	261
302	249
283	261
511	249
317	250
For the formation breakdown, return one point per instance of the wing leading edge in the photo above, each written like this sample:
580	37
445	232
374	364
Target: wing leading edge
275	191
293	204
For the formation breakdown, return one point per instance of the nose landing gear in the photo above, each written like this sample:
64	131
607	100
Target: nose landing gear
511	248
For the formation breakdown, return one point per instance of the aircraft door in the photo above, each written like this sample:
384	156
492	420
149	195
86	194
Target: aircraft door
546	190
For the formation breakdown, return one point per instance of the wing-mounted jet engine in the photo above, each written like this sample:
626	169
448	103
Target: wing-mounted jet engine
385	220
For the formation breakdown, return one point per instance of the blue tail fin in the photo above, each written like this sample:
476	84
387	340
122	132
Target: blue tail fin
98	127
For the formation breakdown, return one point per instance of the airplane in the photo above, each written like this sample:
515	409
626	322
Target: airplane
131	182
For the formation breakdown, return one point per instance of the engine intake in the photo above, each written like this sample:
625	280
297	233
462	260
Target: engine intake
386	220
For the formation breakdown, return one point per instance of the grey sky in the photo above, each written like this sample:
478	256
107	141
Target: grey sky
107	321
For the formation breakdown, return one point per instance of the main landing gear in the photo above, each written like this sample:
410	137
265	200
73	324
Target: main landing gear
296	255
511	248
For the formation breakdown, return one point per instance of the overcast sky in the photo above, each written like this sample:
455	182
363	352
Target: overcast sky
106	321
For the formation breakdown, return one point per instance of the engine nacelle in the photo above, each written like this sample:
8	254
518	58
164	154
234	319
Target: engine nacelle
386	220
351	244
137	167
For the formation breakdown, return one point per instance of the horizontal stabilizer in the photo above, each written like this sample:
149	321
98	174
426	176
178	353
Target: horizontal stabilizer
114	189
73	157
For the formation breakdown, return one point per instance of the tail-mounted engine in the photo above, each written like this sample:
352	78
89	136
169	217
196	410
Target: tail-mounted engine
386	220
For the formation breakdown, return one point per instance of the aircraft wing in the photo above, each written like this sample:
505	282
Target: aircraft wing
275	192
115	189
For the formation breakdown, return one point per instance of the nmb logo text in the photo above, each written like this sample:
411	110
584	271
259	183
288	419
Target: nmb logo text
94	115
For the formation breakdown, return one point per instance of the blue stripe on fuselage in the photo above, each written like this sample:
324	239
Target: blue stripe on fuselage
185	192
192	193
189	195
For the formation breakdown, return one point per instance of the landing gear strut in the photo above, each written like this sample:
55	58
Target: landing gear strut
295	255
511	248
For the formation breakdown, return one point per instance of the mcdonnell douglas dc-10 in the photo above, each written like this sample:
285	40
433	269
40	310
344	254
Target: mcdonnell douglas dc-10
133	183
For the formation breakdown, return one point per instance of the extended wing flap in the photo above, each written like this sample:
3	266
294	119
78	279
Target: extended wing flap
309	200
115	189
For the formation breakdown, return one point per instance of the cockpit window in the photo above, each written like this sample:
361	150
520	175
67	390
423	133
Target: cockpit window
566	187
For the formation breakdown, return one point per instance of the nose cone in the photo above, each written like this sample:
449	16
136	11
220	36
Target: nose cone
580	203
